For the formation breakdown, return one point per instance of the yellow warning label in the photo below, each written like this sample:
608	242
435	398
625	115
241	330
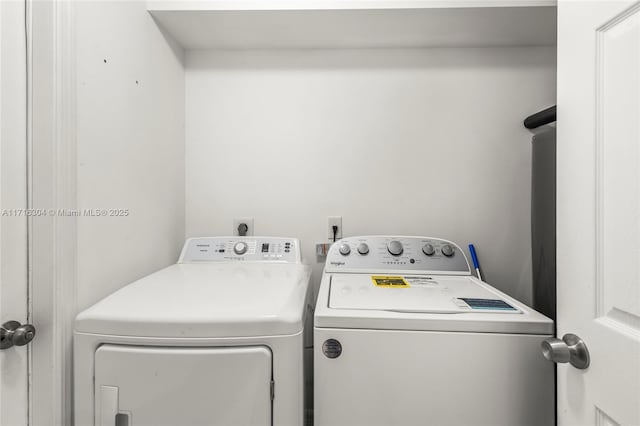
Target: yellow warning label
395	282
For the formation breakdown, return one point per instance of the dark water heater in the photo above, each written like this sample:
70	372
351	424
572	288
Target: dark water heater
543	211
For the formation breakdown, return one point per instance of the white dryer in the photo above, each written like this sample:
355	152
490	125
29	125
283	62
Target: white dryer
216	339
404	335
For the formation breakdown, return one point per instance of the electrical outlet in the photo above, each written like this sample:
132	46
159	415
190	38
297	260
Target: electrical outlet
334	221
247	221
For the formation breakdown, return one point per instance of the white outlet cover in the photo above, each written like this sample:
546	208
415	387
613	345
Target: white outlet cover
238	221
334	220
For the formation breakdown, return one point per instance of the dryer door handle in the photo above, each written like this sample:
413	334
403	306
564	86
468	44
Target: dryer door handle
109	414
109	411
108	406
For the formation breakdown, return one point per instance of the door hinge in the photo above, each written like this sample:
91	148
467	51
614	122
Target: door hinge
273	389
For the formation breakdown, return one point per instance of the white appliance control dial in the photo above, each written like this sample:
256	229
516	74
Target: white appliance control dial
447	250
240	247
344	249
395	247
363	248
428	249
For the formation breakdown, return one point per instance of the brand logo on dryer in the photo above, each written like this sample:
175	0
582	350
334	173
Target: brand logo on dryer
337	263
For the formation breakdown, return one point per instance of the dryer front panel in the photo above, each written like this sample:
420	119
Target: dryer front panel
159	386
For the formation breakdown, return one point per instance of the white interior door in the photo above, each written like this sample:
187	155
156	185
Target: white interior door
14	361
599	209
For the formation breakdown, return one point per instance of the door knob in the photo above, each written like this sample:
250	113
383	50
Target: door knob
12	333
571	349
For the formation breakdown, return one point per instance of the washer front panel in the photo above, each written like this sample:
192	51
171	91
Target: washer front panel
384	378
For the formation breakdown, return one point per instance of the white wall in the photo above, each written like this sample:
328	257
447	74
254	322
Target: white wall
130	146
14	390
415	141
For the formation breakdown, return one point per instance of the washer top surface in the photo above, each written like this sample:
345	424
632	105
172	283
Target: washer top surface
422	284
415	293
244	296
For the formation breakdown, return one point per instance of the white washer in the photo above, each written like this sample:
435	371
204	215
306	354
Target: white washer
404	335
216	339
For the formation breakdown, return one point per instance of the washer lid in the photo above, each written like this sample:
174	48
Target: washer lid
422	302
205	300
419	293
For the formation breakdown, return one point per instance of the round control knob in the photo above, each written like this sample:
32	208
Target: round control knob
344	249
395	247
363	249
447	250
240	248
428	249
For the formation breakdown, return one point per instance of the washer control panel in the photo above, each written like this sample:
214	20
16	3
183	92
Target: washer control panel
397	253
225	249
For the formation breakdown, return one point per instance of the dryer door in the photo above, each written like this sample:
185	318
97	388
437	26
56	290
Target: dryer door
159	386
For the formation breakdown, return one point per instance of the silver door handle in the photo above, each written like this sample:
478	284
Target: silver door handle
571	349
12	333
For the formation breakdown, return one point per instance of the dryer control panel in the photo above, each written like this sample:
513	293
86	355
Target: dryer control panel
397	254
226	249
